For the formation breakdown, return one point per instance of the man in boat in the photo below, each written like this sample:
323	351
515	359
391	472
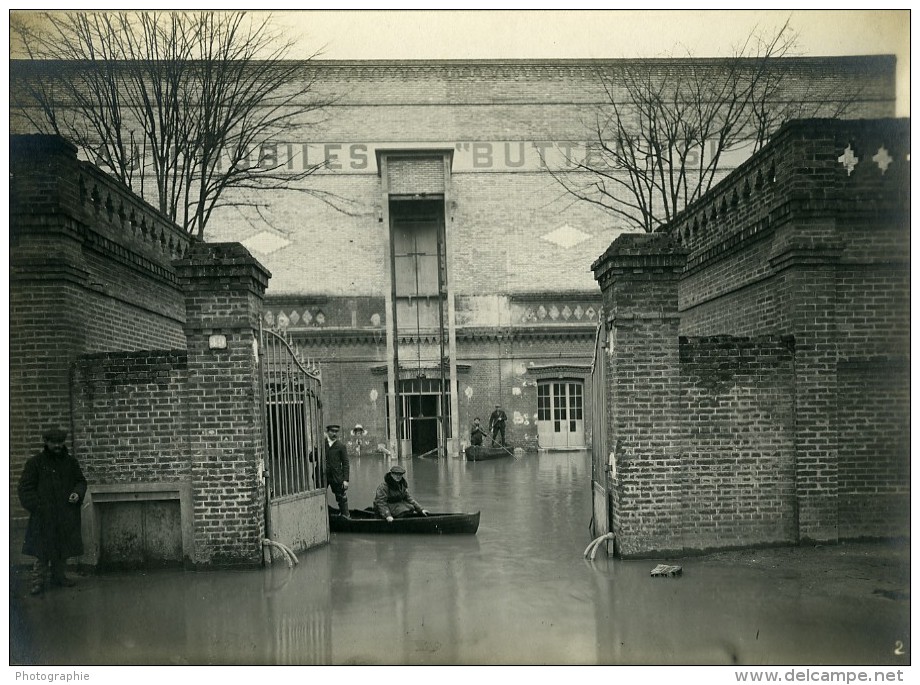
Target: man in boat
497	425
337	467
476	433
392	499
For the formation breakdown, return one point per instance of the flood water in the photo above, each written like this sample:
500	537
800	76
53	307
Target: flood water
518	592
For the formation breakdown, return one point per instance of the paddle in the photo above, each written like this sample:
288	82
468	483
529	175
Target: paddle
496	444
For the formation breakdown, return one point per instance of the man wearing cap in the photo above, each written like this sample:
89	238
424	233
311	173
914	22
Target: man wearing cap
337	467
51	489
392	499
497	424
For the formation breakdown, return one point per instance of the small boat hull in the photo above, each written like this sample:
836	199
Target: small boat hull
365	521
480	453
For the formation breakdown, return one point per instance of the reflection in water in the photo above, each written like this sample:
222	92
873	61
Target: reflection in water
518	592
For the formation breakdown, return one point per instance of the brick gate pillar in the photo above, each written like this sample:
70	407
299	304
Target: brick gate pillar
224	288
639	275
805	257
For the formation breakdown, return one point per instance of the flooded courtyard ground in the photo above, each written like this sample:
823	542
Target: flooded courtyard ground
518	592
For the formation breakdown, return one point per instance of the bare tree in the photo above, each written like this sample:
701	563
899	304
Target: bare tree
659	141
180	106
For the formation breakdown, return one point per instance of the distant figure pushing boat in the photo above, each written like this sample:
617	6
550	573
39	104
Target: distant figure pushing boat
497	424
392	499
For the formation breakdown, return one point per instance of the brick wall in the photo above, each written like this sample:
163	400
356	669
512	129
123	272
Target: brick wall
129	417
223	288
639	275
738	468
808	239
805	244
112	309
90	271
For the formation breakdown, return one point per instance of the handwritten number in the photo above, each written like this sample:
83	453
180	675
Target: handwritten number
898	648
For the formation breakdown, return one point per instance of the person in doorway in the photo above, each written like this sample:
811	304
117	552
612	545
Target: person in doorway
497	422
51	488
358	433
476	433
392	498
337	467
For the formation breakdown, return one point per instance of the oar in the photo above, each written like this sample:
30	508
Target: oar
497	445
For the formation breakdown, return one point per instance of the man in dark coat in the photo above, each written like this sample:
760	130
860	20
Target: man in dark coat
497	424
392	498
476	433
337	467
51	489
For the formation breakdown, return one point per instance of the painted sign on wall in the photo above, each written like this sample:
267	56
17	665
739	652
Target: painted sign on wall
472	156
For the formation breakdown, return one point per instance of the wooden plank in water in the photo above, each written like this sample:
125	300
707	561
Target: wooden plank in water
665	570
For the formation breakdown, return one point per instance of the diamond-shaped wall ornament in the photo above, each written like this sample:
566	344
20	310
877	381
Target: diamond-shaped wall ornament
589	312
541	312
283	320
566	236
269	317
294	317
307	317
553	313
848	159
579	312
265	242
566	313
883	159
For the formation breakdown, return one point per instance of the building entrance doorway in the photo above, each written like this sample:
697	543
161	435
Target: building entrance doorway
421	415
560	414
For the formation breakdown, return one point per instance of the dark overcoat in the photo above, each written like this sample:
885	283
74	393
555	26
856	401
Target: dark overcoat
392	498
337	464
44	489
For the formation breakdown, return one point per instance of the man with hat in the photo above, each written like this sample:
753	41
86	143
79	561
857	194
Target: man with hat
392	499
497	424
51	488
337	467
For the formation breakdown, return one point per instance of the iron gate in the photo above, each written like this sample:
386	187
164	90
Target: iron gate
295	451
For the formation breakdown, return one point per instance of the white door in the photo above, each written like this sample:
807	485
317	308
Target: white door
560	414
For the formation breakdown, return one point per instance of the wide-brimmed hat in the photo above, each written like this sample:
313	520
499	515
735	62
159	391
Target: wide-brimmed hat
357	429
397	469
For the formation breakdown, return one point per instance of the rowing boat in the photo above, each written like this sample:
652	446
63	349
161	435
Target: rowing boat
482	453
366	521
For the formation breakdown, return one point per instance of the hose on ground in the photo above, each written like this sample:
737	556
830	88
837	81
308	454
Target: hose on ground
596	543
286	551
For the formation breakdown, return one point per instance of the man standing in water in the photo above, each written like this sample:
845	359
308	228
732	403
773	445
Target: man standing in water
51	489
337	467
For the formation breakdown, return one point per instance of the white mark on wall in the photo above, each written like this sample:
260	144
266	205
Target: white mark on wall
519	418
373	396
521	369
468	391
516	391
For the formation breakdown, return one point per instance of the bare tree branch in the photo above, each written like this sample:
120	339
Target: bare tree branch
182	106
659	140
